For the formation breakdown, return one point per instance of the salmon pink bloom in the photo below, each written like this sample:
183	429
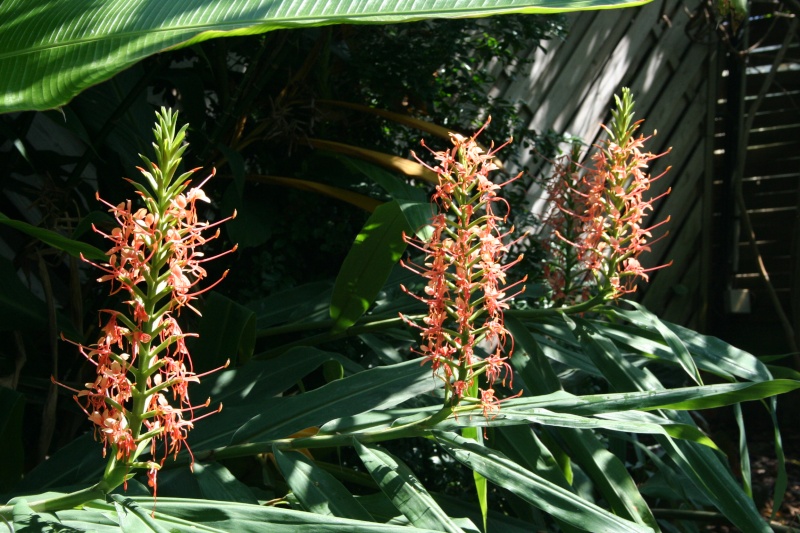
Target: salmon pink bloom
598	213
155	261
465	268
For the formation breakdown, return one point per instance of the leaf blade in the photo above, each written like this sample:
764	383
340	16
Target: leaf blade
404	490
51	51
377	248
317	490
549	497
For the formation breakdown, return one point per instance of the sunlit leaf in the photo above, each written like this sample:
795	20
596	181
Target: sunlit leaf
317	490
217	483
645	318
133	518
401	486
377	248
373	389
547	496
52	50
412	200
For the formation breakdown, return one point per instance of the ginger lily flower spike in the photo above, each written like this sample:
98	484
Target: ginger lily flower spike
598	215
140	394
465	275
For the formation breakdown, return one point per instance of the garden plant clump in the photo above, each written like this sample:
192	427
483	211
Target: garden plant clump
400	345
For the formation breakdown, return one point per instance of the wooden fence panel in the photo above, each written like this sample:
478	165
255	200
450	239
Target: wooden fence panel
570	90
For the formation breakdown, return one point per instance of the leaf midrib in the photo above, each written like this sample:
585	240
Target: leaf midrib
273	23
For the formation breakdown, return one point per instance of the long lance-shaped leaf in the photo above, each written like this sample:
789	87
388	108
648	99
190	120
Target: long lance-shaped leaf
708	472
52	50
645	318
372	389
621	374
400	118
522	445
317	490
402	487
531	363
132	517
711	354
359	200
413	201
183	514
742	363
683	399
609	475
604	468
624	375
405	166
56	240
242	390
481	483
699	463
547	496
606	471
262	379
628	422
376	250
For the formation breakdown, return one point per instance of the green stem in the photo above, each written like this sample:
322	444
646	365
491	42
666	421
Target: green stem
582	307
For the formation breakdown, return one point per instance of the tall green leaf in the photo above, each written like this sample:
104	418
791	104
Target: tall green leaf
244	518
645	318
549	497
699	463
52	50
56	240
217	483
401	486
133	518
183	514
369	262
412	200
376	388
317	490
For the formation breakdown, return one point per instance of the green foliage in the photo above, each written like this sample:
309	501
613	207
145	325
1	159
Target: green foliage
326	425
91	42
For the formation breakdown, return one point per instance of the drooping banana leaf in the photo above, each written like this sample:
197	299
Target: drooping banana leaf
54	49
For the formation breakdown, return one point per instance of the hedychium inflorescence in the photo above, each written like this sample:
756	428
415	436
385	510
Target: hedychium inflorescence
597	218
140	395
465	271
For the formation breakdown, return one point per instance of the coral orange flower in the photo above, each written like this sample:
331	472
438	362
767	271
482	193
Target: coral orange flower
598	215
466	275
155	262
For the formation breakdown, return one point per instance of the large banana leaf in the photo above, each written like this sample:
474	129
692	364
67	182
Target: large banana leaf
54	49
